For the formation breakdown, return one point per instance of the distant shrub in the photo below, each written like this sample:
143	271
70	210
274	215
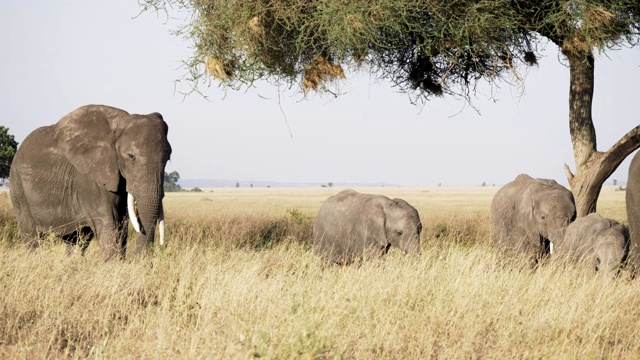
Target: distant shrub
300	217
171	182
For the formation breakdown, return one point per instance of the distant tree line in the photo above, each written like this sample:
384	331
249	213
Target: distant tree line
8	146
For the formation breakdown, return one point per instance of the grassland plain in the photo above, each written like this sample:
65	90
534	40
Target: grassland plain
237	280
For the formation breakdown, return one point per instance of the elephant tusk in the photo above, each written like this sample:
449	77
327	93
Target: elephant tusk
550	247
161	226
132	212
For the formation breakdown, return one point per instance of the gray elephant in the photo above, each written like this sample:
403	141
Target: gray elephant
351	226
80	176
531	215
599	241
633	213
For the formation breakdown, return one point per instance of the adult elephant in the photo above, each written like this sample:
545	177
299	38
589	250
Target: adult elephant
599	241
530	215
79	176
351	226
633	212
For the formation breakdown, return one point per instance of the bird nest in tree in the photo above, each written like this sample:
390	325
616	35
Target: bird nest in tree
222	71
600	15
320	72
598	23
256	26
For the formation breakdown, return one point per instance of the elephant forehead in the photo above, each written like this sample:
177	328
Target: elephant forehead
141	134
143	124
556	204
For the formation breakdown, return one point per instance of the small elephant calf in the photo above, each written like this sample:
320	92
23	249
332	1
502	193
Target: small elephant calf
597	240
351	226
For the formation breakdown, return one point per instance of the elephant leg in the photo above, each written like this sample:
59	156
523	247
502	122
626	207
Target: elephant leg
27	231
108	238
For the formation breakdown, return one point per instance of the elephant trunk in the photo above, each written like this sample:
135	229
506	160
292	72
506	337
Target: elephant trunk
556	237
413	247
410	245
149	216
147	208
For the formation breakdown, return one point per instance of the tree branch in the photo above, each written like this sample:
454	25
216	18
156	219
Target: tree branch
623	148
568	172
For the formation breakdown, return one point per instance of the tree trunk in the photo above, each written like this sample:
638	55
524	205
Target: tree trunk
592	167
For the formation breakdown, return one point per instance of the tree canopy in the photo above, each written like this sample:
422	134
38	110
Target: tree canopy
427	48
8	146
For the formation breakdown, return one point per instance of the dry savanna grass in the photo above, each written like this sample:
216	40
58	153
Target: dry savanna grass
237	280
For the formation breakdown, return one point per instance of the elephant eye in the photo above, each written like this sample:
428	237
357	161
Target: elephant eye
399	232
131	156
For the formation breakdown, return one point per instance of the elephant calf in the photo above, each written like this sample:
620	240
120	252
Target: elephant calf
599	241
531	215
351	226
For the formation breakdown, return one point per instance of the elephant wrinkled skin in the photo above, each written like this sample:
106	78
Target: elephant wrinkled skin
351	226
74	178
633	213
531	215
599	241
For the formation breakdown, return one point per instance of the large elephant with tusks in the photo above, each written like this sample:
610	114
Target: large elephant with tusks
351	226
530	215
80	177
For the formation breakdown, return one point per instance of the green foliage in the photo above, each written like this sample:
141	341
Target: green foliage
8	147
171	182
299	217
424	47
196	189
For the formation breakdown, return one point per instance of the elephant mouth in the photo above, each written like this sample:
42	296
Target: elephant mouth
135	218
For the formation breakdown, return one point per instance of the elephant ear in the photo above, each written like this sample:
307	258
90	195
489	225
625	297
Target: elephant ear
602	225
87	141
377	226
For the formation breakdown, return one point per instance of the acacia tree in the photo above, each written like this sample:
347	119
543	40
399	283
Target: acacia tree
171	181
425	47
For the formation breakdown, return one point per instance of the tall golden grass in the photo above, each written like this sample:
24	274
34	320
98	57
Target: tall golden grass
237	280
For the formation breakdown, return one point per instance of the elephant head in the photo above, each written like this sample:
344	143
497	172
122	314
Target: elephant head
552	210
601	242
121	152
611	249
402	226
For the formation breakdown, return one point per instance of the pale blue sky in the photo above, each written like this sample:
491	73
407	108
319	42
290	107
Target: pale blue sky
59	55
